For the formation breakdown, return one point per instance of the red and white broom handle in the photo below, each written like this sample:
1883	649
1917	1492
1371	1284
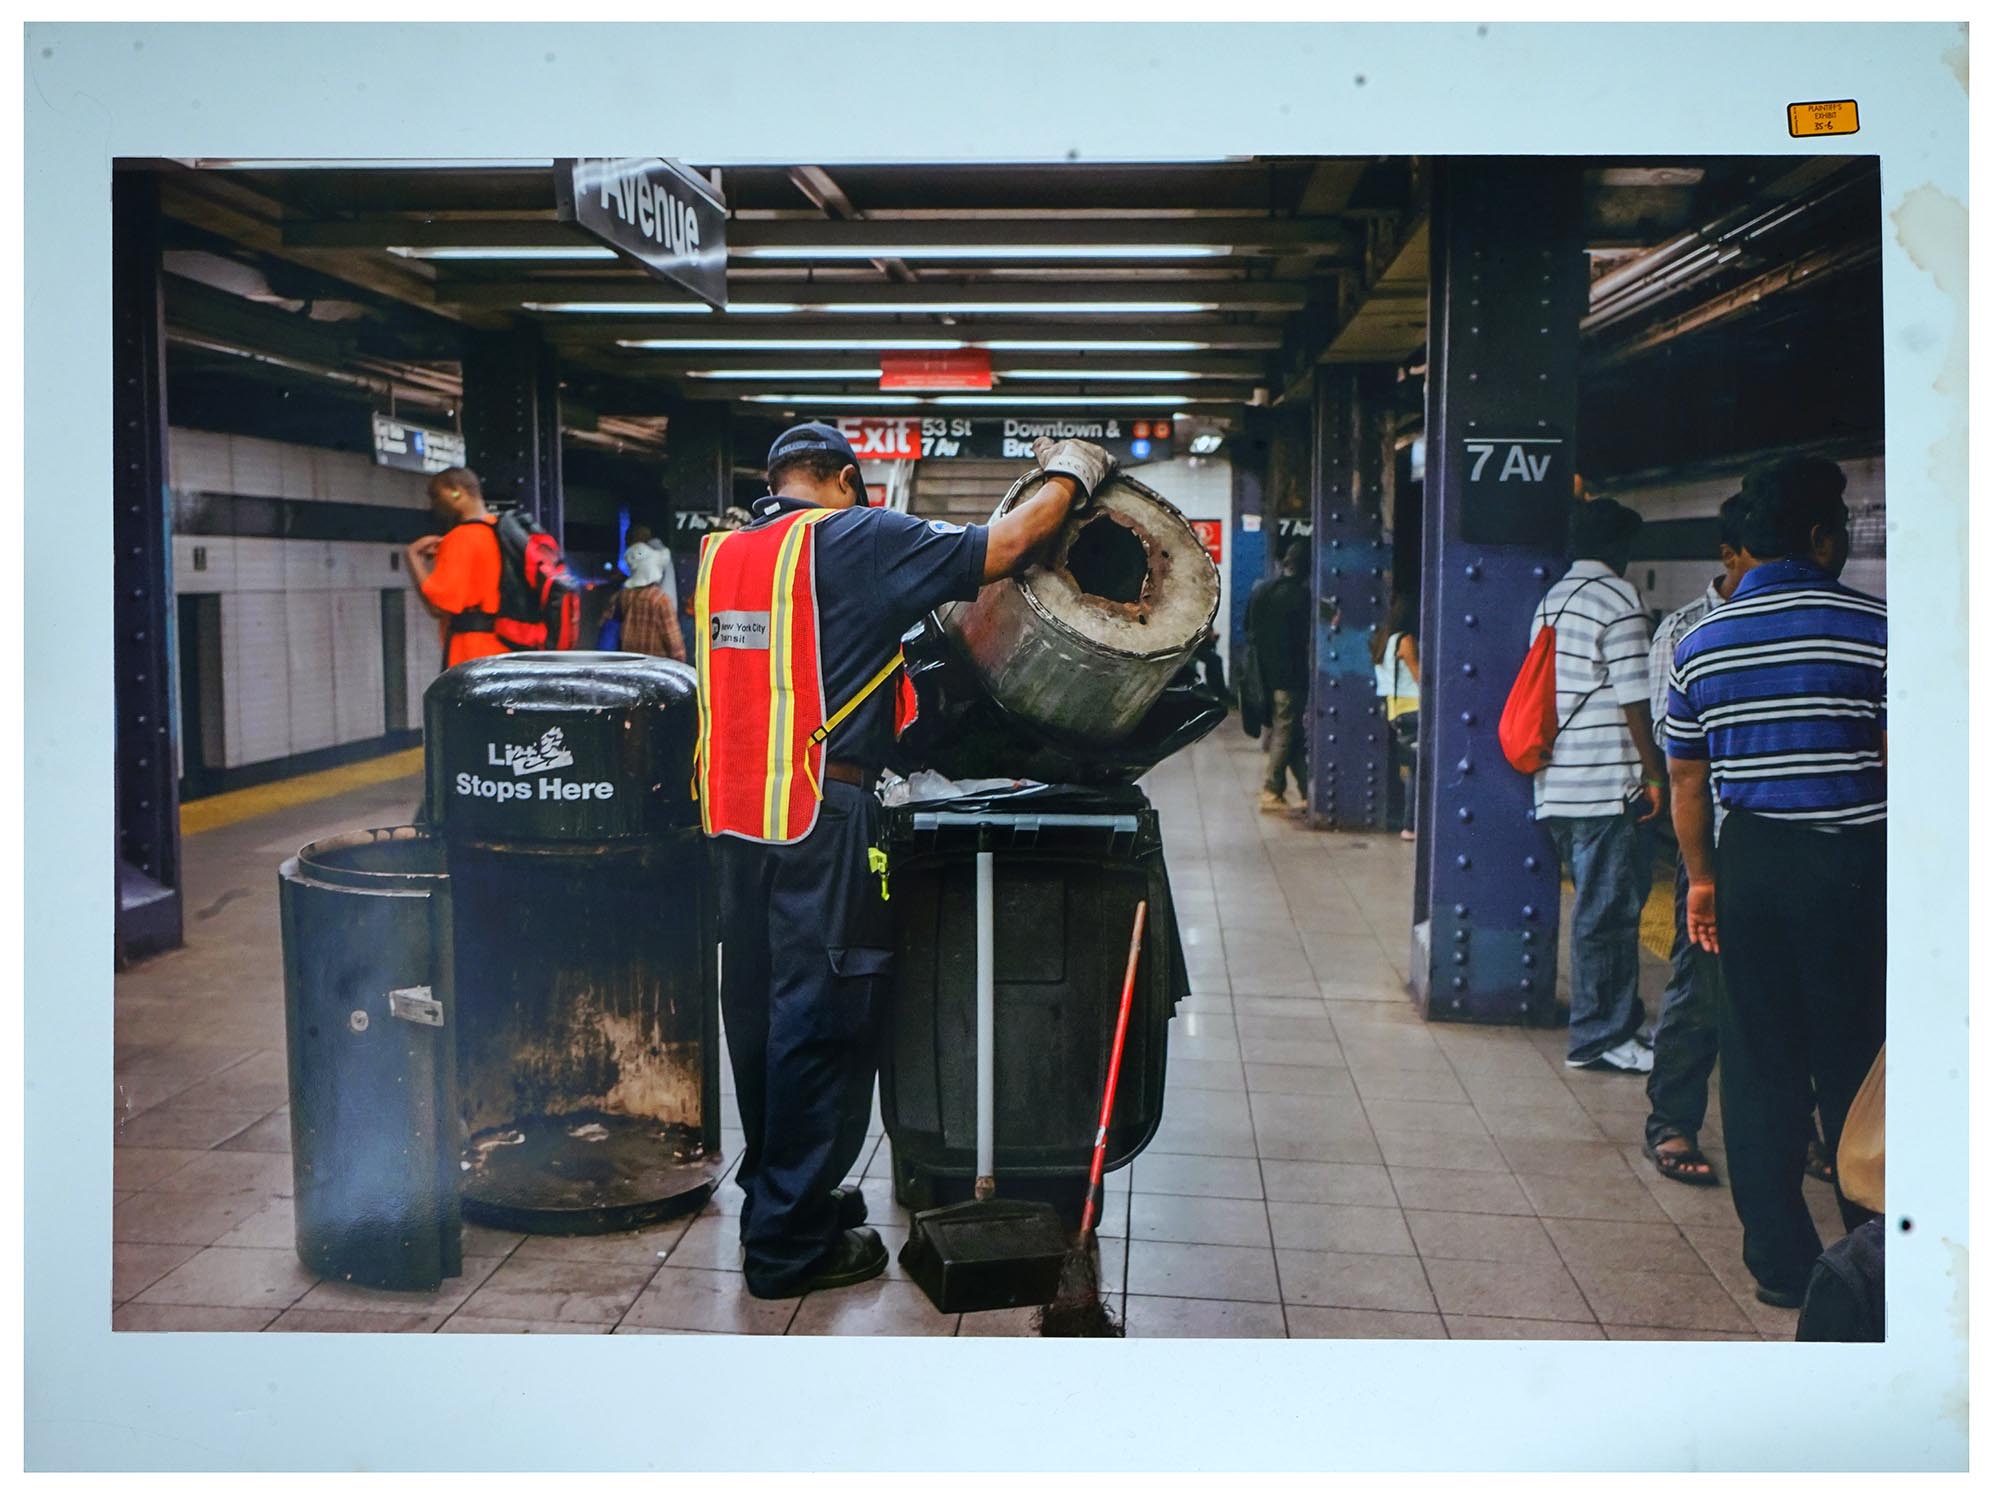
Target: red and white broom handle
1111	1077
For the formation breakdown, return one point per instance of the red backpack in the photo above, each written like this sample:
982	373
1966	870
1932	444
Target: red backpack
1528	727
541	600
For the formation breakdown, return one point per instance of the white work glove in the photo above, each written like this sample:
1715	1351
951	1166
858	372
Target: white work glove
1086	463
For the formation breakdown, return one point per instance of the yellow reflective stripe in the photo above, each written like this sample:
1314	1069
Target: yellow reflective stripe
840	714
777	760
710	545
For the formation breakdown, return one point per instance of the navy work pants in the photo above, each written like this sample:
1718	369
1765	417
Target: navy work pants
805	937
1803	919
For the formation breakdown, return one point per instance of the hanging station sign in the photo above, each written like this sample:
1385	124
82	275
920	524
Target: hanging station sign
1129	441
653	212
422	450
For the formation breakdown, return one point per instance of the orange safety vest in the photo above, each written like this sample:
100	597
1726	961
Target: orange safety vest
764	726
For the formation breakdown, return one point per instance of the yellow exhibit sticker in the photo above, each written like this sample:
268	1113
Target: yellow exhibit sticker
1828	117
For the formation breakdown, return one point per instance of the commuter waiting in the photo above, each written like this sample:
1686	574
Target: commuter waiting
1396	676
644	607
1684	1041
1279	621
1780	696
458	573
1602	769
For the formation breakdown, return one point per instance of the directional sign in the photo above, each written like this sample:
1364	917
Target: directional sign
653	212
424	450
1129	441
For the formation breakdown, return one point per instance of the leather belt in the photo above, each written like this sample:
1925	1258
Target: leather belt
848	771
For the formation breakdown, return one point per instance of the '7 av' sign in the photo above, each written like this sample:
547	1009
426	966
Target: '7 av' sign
1526	458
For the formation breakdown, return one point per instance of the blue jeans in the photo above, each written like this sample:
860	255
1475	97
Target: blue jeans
1607	860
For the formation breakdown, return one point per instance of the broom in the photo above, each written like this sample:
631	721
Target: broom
1079	1311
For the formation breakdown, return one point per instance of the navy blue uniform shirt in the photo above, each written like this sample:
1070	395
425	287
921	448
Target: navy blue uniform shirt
876	573
1784	692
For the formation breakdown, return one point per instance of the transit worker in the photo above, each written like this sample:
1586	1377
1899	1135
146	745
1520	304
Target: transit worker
1279	621
1684	1041
1604	768
458	573
798	620
1779	701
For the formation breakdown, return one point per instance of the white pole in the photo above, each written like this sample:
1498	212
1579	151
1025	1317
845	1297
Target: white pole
983	865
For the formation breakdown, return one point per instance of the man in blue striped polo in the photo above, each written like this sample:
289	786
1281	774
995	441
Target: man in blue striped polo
1780	696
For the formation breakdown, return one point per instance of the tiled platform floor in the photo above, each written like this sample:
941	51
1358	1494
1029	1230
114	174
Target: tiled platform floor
1328	1165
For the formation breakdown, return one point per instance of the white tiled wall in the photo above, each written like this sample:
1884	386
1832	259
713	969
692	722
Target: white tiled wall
301	620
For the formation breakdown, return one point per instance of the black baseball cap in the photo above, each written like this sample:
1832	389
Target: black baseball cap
816	437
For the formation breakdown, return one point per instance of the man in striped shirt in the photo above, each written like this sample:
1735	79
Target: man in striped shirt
1603	766
1781	697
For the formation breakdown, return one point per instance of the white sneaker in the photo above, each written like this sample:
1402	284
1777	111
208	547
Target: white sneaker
1626	1057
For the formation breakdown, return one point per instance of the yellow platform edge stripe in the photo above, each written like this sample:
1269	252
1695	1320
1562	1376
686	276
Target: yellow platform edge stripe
221	810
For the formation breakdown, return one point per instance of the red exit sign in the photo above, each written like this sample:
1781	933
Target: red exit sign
943	370
883	437
1210	533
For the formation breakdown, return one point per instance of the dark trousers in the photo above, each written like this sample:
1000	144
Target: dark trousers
804	940
1685	1040
1403	750
1803	920
1285	749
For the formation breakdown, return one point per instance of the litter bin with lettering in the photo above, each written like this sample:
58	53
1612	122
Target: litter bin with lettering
588	1033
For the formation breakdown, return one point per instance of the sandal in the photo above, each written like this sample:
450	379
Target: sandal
1817	1166
1682	1164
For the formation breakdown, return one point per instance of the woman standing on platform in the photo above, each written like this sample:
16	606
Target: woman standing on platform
1396	678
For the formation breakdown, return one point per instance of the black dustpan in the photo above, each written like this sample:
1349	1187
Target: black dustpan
986	1254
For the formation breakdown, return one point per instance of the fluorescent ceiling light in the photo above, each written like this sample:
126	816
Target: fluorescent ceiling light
768	344
864	400
1056	400
1100	346
879	309
502	252
827	399
1080	309
870	372
1205	442
980	252
648	309
1089	374
366	163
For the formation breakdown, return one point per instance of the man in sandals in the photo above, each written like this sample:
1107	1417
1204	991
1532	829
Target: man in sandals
1684	1041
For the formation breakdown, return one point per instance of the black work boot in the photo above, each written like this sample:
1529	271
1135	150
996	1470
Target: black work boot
858	1255
850	1209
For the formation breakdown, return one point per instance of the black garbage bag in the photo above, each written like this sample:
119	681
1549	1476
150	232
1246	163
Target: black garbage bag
960	732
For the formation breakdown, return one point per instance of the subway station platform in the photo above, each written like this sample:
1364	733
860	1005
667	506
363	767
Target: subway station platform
1329	1166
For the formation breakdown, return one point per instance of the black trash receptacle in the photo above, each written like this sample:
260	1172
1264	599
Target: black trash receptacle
369	1032
1069	867
588	1036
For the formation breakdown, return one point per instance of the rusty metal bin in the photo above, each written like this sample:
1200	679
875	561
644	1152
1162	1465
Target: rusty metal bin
588	1035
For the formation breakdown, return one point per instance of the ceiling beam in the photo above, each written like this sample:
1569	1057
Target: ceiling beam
1241	235
854	333
1222	366
1220	296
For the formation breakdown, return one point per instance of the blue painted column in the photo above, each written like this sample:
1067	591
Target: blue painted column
1249	542
1508	285
511	414
1347	738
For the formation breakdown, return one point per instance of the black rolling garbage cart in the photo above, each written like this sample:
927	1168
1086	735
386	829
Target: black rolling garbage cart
1070	865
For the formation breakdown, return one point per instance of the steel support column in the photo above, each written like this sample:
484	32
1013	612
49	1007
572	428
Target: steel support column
700	455
1347	739
1508	285
148	798
512	417
1250	543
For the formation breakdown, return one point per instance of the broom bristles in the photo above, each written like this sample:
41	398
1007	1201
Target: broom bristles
1079	1310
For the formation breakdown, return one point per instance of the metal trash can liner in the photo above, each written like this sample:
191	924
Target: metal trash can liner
1086	645
366	919
589	1036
